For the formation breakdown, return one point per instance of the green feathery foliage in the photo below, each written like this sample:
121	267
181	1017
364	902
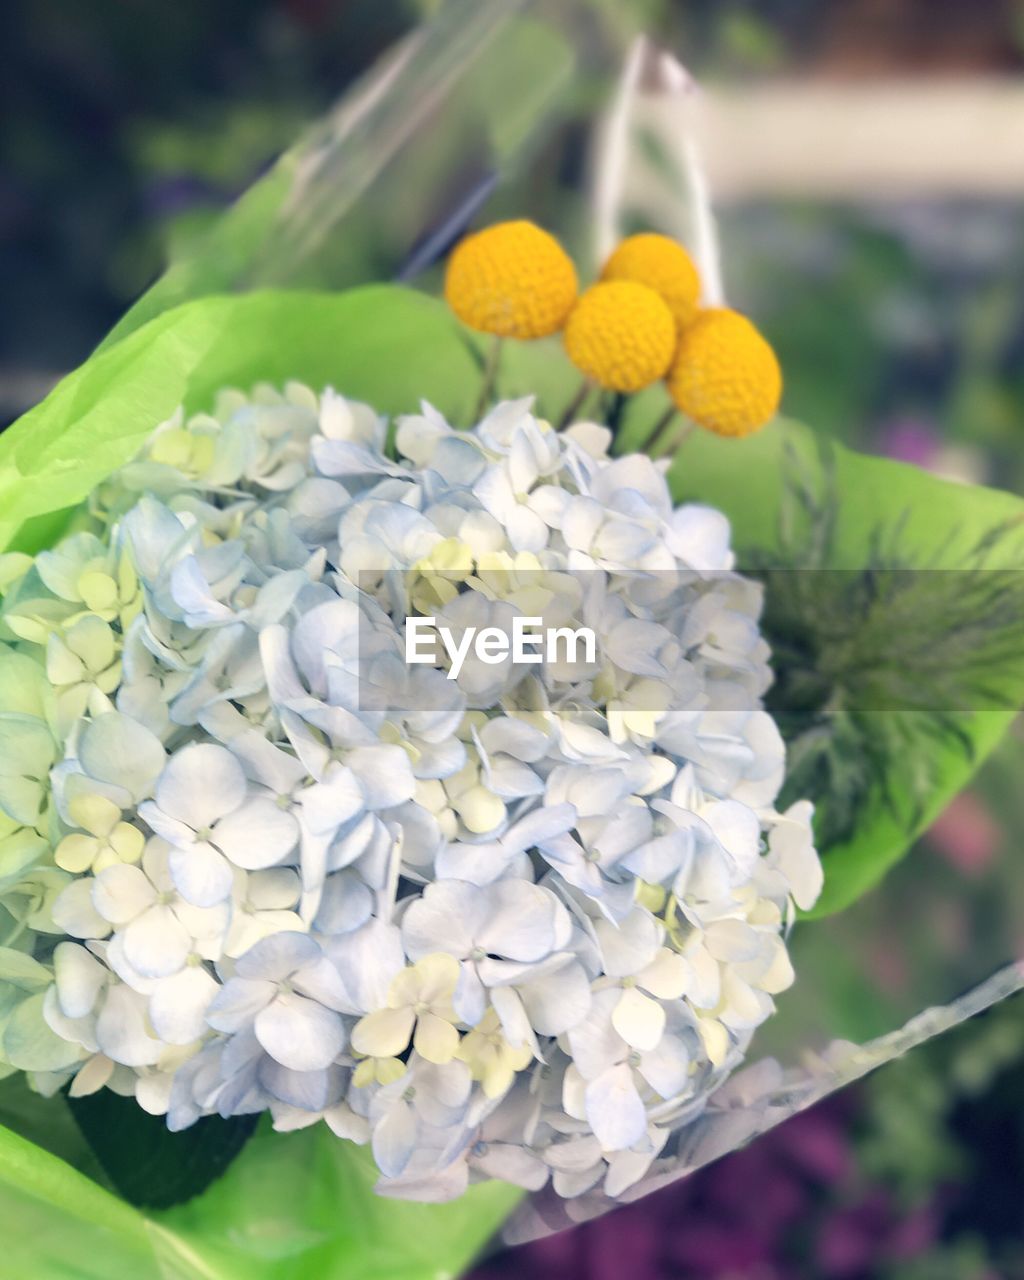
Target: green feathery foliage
882	663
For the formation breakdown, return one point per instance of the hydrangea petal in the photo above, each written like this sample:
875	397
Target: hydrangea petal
177	1009
666	975
558	1001
638	1019
394	1138
121	893
156	944
121	1030
385	774
445	918
259	834
435	1039
79	976
615	1110
666	1068
29	1043
522	921
299	1033
73	911
201	874
116	749
238	1002
384	1033
201	783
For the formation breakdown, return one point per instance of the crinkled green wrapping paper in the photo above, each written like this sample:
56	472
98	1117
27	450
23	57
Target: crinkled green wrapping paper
301	1205
292	1206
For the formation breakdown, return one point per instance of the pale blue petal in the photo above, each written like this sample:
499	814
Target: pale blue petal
156	944
121	1029
177	1009
478	864
201	875
312	1091
442	1092
699	537
666	1068
154	534
615	1110
122	892
521	922
327	804
446	918
202	782
74	913
630	946
192	594
299	1033
594	1042
541	825
276	958
120	751
345	904
394	1138
512	1164
238	1002
322	982
368	960
30	1044
470	1000
260	834
174	831
384	773
557	1001
79	977
342	458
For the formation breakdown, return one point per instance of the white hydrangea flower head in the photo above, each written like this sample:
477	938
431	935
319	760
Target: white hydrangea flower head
519	923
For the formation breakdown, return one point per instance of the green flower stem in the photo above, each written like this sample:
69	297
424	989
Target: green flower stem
492	366
668	436
575	404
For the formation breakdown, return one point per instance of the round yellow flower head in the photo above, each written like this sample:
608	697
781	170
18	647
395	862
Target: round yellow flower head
661	264
725	376
622	335
513	280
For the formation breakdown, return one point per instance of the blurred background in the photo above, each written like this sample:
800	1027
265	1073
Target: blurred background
879	241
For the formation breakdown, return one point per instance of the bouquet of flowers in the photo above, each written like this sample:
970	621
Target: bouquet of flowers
405	797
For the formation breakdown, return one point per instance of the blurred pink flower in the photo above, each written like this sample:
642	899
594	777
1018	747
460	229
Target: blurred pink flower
966	834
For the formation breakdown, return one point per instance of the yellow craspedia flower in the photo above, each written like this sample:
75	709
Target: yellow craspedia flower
661	264
622	335
513	280
725	375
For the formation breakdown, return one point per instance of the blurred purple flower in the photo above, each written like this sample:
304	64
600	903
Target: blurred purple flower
872	1231
849	1239
911	440
789	1206
736	1218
